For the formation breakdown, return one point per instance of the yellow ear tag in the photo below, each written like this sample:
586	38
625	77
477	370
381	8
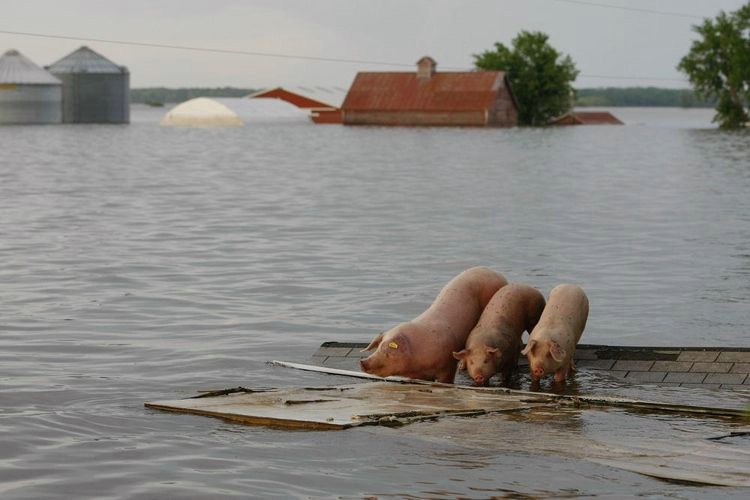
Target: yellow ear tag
393	345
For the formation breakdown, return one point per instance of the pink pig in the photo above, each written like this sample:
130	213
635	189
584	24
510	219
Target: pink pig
422	348
552	343
494	344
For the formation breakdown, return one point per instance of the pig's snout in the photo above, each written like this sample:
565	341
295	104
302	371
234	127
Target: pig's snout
537	371
364	364
480	380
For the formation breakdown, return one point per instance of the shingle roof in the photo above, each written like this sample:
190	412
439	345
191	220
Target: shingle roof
85	60
17	68
444	91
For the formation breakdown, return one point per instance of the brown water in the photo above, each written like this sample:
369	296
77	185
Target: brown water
143	263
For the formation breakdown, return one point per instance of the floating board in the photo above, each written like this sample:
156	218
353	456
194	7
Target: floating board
633	404
345	406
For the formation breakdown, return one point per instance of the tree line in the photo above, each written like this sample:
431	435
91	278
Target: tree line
593	97
158	96
642	96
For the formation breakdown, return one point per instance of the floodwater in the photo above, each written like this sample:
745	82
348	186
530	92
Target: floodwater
140	263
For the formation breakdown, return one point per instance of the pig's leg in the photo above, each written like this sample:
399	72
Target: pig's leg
446	376
562	374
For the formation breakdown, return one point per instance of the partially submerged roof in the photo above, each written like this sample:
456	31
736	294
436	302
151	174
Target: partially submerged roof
85	60
15	68
587	118
443	91
232	112
307	96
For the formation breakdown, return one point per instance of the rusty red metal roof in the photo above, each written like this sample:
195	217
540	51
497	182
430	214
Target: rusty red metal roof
443	91
587	118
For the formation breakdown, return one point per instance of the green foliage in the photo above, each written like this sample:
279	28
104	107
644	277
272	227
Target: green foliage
641	96
153	96
718	65
540	77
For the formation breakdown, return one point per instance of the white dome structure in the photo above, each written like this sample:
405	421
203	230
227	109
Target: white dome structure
232	112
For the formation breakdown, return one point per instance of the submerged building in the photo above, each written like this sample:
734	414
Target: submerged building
587	118
431	98
95	90
323	103
28	93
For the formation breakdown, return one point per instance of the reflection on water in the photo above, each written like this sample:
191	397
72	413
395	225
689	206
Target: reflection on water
143	263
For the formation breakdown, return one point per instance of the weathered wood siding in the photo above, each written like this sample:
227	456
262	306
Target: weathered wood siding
504	112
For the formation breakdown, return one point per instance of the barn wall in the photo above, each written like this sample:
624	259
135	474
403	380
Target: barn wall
328	116
415	118
503	112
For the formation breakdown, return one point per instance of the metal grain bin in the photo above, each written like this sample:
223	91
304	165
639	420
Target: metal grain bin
28	93
95	90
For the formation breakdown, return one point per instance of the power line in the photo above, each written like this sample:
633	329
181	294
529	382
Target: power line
632	9
283	56
204	49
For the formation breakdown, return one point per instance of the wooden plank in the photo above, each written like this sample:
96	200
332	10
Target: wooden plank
342	407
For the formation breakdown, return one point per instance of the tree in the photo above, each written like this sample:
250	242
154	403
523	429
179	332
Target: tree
539	75
718	65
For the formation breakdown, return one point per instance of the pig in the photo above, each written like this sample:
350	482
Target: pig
494	344
552	343
422	348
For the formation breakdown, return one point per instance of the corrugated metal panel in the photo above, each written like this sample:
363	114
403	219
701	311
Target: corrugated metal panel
85	60
401	91
30	104
95	90
17	68
96	97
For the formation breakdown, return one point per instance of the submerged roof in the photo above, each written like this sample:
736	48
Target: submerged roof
17	68
443	91
317	96
85	60
232	112
587	118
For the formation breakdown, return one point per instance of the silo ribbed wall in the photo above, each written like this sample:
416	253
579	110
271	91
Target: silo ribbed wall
95	97
30	104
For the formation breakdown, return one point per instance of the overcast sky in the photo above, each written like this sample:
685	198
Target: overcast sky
645	47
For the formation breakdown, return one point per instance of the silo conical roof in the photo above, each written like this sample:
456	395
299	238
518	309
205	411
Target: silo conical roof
85	60
19	69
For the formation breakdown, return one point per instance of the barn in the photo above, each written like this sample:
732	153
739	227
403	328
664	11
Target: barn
323	103
431	98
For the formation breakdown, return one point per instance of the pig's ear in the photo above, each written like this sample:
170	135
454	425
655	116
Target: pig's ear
530	346
493	351
557	352
461	355
374	344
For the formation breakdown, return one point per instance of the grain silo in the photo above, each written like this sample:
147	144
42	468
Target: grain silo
28	94
95	90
